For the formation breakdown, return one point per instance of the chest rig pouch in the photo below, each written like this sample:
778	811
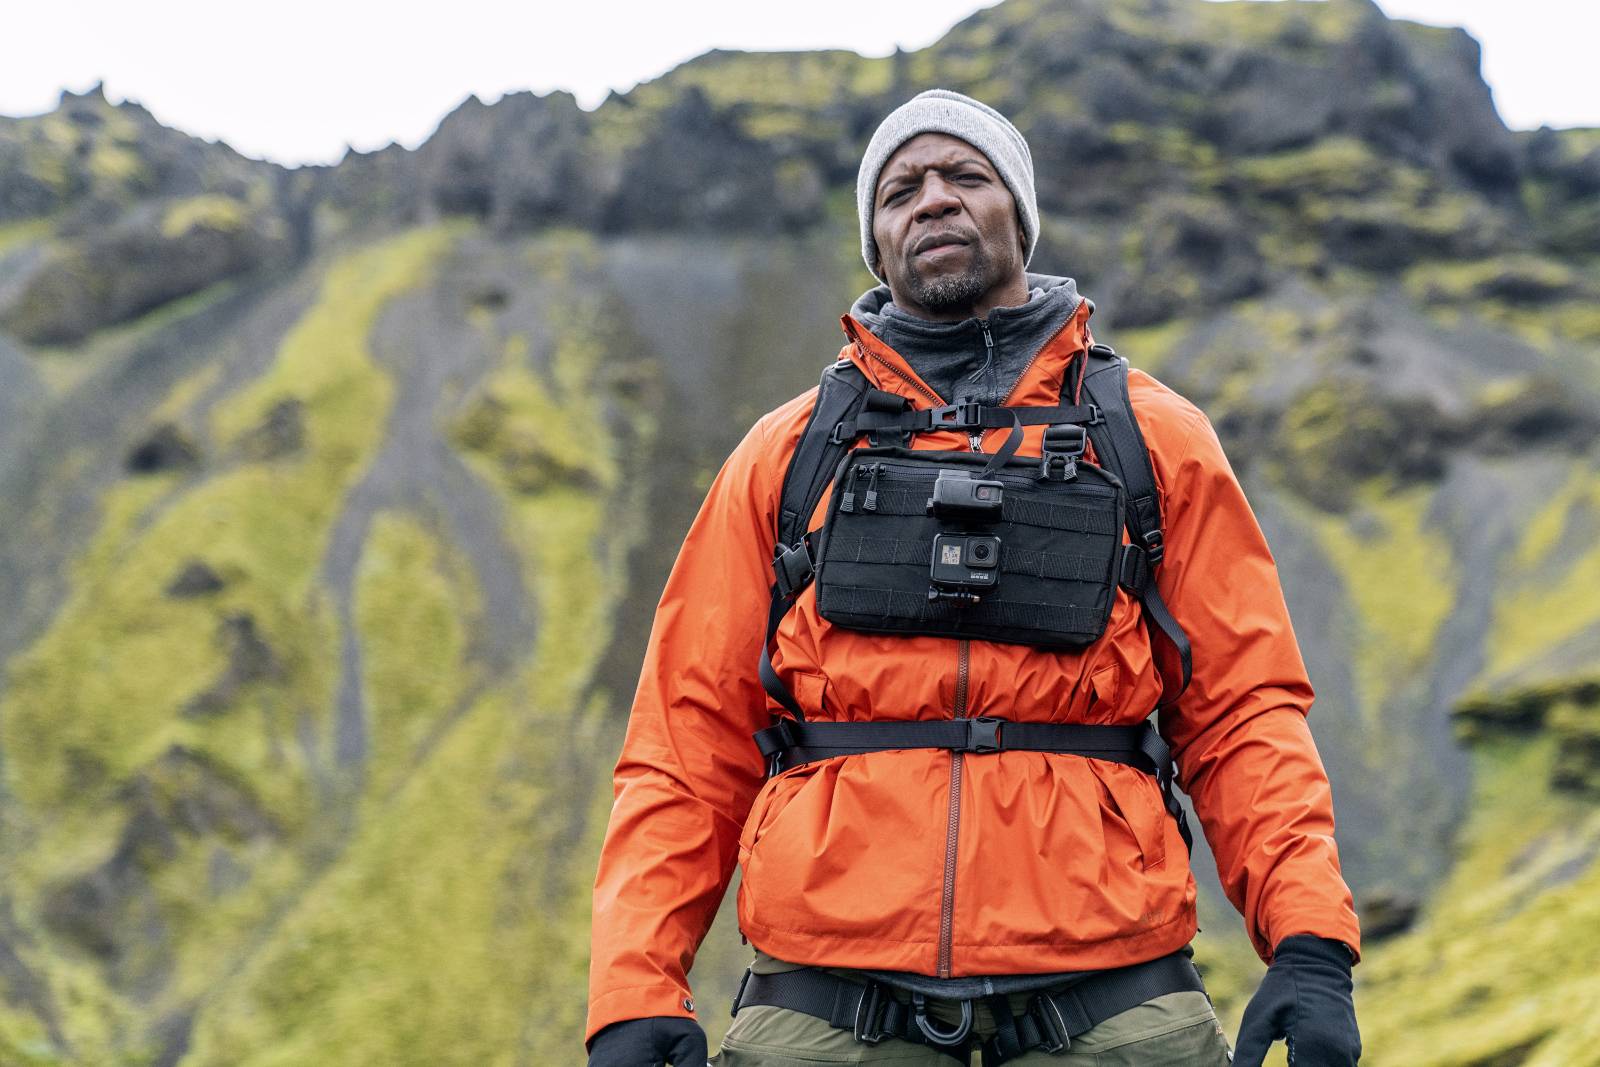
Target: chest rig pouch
971	545
964	544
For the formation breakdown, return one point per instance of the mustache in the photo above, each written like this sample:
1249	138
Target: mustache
943	237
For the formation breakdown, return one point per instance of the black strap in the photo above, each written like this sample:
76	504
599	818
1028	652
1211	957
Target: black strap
967	416
788	744
871	1012
842	389
1053	1018
868	1010
1121	446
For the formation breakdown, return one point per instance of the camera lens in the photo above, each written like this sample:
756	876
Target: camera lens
980	551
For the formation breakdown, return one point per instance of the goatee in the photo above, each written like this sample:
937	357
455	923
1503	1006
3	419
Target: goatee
946	292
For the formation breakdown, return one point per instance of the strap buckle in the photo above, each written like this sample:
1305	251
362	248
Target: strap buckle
1053	1036
1153	546
793	565
869	1028
983	734
1133	569
967	415
1063	446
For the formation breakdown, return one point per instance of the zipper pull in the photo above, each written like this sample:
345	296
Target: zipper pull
872	487
849	501
975	437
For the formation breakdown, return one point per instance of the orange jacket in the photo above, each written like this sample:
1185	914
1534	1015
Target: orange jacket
931	861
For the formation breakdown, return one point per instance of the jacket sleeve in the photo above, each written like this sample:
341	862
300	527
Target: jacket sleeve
1239	734
689	770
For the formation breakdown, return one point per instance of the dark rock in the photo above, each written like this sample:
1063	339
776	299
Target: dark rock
167	448
181	797
112	274
196	579
250	659
1387	912
281	433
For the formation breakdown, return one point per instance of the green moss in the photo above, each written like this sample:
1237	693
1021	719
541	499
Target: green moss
24	231
1334	166
1506	951
212	211
412	603
1399	576
1546	596
99	698
478	955
1307	24
115	164
1150	348
1515	278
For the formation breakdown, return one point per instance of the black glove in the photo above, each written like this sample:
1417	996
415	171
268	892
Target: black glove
650	1043
1305	997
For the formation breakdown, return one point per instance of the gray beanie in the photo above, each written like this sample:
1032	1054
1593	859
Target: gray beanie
978	124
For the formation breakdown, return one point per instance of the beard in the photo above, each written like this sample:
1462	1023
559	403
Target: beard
947	292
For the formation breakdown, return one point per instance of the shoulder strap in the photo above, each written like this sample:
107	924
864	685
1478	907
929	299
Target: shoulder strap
842	393
839	395
1121	448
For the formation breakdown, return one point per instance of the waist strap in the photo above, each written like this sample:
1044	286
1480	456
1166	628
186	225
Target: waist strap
1049	1022
789	743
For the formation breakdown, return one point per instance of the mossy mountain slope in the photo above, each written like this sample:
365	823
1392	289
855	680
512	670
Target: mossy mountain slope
337	502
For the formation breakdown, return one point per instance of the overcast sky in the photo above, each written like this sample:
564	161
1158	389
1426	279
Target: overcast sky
298	80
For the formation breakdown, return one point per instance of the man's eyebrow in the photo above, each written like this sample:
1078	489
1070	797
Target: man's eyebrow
903	175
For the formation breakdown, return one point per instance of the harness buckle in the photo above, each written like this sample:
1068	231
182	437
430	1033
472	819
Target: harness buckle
869	1029
1153	546
1053	1037
1064	444
793	566
983	734
966	415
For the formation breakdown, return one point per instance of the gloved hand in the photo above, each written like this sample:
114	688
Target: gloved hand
650	1043
1305	997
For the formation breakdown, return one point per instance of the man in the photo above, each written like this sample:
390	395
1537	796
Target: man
909	904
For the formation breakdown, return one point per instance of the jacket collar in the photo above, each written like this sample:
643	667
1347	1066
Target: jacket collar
1040	381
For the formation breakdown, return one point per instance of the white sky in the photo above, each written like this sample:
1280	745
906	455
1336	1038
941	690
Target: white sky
298	80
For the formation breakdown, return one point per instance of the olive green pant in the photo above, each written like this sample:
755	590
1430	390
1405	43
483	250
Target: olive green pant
1174	1030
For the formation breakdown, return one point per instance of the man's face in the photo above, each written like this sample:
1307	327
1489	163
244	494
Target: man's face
946	228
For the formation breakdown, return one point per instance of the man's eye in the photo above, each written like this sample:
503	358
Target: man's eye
896	196
971	177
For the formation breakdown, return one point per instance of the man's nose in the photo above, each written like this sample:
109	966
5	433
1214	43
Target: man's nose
935	200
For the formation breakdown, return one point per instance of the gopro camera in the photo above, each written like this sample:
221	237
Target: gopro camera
964	499
964	565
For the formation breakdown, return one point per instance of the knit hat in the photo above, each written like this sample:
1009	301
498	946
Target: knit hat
978	124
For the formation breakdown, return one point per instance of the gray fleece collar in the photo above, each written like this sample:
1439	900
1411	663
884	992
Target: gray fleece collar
953	358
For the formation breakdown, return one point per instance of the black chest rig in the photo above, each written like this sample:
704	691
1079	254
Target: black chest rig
971	544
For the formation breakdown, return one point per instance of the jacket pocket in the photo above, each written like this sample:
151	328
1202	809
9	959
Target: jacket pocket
811	691
1135	799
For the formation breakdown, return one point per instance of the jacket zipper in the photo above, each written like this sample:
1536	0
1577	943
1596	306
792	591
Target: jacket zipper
975	437
933	398
952	832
